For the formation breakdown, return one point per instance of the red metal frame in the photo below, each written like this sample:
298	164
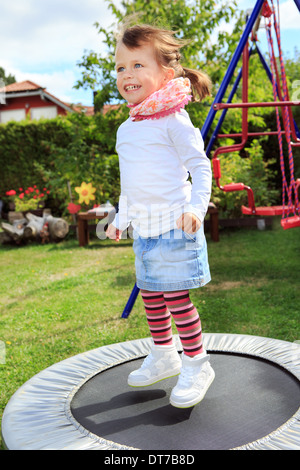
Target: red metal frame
245	105
265	104
273	104
250	134
237	147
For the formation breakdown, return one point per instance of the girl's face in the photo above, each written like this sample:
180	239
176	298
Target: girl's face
138	72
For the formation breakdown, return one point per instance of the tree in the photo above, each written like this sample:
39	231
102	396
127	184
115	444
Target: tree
196	20
6	79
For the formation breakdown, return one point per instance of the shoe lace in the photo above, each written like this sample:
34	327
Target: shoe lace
147	361
187	376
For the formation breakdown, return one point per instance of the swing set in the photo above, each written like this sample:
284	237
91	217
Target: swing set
290	208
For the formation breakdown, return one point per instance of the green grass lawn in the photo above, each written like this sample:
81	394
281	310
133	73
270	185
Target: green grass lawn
58	300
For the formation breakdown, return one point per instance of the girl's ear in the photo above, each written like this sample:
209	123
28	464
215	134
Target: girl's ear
169	75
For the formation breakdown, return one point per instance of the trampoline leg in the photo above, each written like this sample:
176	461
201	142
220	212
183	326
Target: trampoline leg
130	302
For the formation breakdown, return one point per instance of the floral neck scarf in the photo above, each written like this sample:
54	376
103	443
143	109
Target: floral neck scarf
169	99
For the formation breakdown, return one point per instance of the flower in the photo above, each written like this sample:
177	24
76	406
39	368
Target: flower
85	192
73	208
11	192
25	200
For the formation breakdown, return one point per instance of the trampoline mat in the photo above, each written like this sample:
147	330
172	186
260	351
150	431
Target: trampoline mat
249	398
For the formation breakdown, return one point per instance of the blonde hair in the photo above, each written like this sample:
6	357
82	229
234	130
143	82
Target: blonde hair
167	50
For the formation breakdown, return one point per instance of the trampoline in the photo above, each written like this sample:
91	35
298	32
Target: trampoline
84	402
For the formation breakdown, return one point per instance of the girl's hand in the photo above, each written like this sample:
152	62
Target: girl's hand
113	233
188	222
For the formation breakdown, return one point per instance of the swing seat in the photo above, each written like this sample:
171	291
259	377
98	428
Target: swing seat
290	222
266	211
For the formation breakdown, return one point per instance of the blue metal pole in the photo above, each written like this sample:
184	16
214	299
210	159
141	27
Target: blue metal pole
220	122
297	4
235	58
130	302
265	65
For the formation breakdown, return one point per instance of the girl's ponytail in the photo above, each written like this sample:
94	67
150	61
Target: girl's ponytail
200	82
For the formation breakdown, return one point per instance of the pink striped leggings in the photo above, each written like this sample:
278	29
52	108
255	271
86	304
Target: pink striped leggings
160	305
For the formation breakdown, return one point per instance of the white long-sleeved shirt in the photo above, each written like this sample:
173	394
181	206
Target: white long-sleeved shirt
156	158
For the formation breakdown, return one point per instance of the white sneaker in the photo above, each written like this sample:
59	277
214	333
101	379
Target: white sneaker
163	362
195	379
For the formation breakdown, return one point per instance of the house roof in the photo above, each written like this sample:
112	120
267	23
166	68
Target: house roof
28	87
22	86
81	108
109	107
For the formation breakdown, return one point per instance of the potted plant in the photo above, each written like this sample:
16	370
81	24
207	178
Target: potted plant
31	199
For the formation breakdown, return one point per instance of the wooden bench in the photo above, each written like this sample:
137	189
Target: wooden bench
83	227
213	221
84	217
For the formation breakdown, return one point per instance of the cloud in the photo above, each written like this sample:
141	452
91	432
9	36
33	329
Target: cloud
289	15
59	84
50	32
288	12
43	40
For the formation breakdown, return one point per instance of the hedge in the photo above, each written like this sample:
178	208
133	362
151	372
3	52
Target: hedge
59	151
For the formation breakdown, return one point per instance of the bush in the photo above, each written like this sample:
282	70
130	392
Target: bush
251	170
23	151
63	150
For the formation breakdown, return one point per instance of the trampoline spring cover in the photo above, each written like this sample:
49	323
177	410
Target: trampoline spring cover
38	416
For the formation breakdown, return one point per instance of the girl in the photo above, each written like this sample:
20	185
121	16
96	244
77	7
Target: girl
158	148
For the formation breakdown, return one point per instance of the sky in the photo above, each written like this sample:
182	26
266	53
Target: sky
43	40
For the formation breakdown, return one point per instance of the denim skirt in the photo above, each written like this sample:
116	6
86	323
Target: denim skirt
172	261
